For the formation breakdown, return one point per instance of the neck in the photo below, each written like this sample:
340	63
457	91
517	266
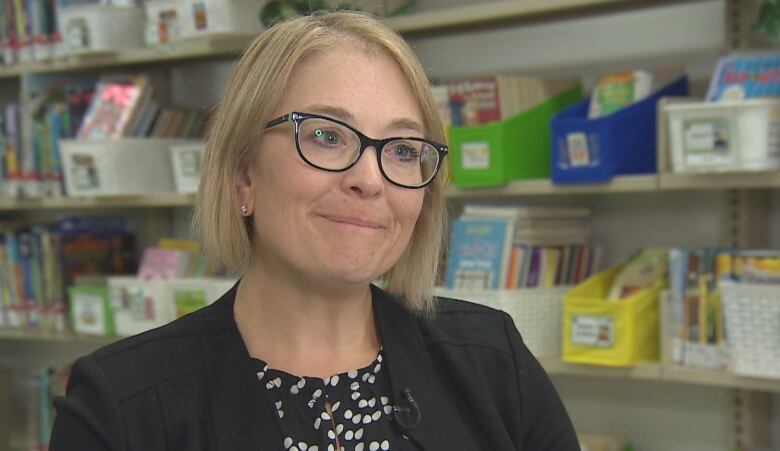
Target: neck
303	329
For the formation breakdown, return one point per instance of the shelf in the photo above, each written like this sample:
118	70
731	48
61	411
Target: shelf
160	200
663	373
213	46
649	371
495	12
624	184
675	373
669	182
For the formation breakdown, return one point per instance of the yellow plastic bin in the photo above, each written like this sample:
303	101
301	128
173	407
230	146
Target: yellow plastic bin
615	333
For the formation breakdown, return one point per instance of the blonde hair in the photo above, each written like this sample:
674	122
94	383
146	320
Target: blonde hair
255	88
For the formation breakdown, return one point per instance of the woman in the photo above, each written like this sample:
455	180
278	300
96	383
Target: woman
321	176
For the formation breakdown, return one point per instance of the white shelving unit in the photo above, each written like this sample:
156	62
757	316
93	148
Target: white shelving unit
658	406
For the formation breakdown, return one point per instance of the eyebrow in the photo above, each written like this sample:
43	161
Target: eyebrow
345	116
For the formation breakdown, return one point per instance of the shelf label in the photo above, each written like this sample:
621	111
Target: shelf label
577	145
595	331
707	141
476	155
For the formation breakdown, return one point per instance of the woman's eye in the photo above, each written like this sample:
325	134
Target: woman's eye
404	152
327	137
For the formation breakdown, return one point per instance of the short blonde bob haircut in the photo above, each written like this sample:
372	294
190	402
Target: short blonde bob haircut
255	88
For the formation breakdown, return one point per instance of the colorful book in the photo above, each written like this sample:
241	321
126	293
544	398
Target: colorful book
479	253
114	108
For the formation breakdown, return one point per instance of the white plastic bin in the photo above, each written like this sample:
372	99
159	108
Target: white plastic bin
752	314
186	159
117	167
725	136
101	28
537	313
214	17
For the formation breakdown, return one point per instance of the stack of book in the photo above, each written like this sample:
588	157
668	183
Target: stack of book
30	31
123	106
67	107
37	263
490	99
507	247
697	333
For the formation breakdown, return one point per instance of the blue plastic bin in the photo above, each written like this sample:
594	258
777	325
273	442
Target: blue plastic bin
595	150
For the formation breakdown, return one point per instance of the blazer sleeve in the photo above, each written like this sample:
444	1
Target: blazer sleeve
88	416
546	424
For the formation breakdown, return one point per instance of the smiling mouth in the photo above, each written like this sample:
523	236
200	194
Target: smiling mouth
357	222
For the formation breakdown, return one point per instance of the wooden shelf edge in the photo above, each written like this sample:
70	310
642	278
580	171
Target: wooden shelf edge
726	180
160	200
482	14
212	46
543	187
663	373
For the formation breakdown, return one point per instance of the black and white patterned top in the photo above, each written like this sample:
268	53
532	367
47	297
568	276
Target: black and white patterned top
360	402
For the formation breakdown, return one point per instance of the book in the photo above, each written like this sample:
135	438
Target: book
100	245
114	108
479	253
490	99
745	76
161	263
522	213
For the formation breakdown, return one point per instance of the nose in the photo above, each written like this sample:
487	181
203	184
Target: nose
365	178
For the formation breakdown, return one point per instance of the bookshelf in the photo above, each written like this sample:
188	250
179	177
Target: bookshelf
161	200
438	32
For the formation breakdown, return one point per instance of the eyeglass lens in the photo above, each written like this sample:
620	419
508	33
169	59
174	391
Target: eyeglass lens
330	145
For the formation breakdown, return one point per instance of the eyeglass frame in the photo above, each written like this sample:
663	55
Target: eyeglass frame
296	118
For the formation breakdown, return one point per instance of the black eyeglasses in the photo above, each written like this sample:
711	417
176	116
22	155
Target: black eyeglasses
332	145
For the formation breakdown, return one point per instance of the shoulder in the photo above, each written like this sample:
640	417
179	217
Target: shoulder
459	323
134	364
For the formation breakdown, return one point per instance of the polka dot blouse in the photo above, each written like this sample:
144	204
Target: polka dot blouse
360	404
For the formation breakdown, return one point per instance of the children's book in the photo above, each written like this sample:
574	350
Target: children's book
740	77
479	253
160	263
115	107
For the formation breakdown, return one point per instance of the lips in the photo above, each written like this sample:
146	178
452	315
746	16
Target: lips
354	221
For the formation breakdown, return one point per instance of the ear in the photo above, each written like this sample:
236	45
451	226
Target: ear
245	194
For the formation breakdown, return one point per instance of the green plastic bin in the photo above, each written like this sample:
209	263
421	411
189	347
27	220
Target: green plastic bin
517	148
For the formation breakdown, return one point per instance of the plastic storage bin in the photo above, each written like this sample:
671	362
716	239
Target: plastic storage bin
186	160
101	28
139	305
725	136
752	314
615	333
210	17
117	167
595	150
537	313
90	310
513	149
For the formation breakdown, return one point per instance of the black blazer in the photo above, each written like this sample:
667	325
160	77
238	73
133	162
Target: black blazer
191	385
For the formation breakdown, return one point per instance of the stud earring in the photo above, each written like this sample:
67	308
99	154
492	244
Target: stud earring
244	209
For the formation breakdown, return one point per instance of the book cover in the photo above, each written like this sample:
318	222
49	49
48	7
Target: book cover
478	254
114	108
160	263
104	245
741	77
534	267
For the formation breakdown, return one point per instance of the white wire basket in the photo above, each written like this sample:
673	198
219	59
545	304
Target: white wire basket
752	314
537	313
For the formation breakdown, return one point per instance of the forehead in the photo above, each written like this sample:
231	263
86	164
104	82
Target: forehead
366	82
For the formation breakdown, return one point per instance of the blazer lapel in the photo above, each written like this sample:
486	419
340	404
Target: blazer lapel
410	368
241	411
